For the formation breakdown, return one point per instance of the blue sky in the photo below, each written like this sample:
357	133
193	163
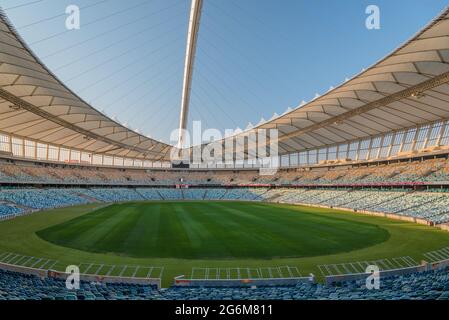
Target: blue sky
254	57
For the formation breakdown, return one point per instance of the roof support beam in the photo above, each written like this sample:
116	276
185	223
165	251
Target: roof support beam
192	37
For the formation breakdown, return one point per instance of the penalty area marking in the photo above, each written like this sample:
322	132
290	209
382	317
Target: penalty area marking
360	266
437	255
237	273
125	271
27	261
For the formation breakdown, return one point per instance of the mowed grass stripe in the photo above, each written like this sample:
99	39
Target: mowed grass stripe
212	230
248	236
230	232
232	236
189	232
93	232
280	226
194	231
145	227
173	238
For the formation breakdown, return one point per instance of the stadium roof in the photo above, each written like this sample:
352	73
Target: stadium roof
407	88
35	104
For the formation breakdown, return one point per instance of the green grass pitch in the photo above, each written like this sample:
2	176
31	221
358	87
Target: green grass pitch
180	236
205	230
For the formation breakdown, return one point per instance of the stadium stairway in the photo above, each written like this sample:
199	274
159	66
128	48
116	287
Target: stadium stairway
382	202
87	197
160	194
22	207
212	194
417	205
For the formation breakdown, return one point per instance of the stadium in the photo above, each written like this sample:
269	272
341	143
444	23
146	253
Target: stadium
354	184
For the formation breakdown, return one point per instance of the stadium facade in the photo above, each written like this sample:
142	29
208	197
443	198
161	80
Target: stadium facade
376	144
